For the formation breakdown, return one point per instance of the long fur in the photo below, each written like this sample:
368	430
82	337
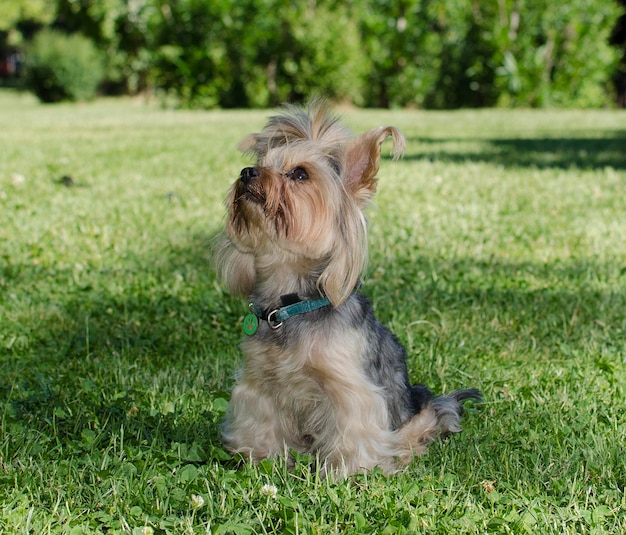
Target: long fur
332	382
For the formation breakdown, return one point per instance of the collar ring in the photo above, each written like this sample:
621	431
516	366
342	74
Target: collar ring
273	322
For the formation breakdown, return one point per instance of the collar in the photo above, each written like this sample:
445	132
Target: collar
292	306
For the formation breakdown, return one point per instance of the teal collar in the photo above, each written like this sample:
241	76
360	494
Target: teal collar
292	306
277	316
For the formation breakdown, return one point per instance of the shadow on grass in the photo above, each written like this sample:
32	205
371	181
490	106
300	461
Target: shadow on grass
101	363
148	362
605	150
547	308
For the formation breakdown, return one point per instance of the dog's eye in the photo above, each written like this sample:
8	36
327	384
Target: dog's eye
298	173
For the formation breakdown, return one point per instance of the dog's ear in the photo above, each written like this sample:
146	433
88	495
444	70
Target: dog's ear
348	256
363	159
234	267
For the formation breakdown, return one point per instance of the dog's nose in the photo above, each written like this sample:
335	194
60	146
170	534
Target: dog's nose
248	174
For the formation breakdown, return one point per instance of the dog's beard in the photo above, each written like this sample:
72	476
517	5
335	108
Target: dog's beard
272	210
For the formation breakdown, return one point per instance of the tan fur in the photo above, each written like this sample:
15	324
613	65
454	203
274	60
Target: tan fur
296	226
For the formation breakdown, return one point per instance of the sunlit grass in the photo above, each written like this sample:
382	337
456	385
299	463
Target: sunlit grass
498	256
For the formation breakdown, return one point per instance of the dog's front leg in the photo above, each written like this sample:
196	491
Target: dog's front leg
364	439
251	426
357	435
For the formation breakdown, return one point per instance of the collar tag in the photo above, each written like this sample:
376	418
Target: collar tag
250	324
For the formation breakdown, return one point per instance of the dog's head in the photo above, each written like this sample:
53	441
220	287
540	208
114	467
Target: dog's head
302	201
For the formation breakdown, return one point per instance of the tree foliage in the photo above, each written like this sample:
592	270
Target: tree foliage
423	53
14	12
454	53
255	52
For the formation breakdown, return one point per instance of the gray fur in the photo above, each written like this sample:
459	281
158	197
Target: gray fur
332	382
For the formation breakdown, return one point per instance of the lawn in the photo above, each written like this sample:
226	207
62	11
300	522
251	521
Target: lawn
497	255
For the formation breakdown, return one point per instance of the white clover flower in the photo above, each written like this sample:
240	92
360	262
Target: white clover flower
197	501
269	490
147	530
18	179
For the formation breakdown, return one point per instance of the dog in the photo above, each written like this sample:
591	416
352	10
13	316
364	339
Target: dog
321	375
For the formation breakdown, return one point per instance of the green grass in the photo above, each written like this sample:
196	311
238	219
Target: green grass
498	256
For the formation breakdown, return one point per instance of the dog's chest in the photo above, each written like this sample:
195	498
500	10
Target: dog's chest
310	360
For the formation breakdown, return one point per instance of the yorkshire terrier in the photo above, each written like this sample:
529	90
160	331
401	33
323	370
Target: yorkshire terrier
321	375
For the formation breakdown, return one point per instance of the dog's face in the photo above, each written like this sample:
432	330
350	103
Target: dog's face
291	199
302	200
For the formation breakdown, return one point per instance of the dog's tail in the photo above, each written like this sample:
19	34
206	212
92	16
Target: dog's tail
448	408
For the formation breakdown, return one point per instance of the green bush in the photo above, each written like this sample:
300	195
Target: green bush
241	53
63	67
379	53
554	53
454	53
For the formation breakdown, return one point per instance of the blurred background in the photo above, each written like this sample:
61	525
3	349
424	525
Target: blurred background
372	53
